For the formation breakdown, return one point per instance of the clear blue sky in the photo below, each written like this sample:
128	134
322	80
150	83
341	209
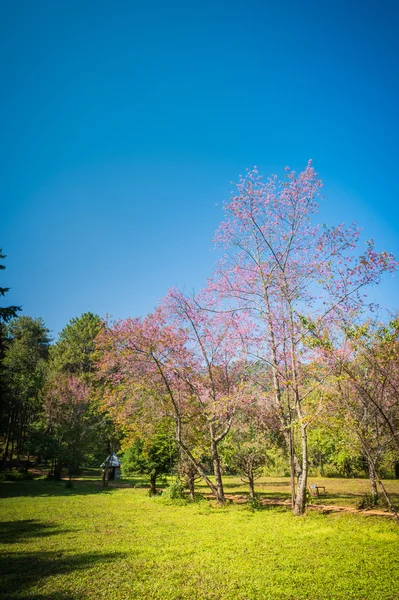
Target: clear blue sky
123	124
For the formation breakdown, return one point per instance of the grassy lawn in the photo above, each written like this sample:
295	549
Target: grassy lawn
85	543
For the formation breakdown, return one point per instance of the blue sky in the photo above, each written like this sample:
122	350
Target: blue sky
124	123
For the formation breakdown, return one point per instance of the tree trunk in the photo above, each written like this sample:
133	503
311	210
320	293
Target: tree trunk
286	420
373	479
5	454
10	429
191	485
251	483
12	450
20	434
300	501
217	472
57	468
289	439
388	500
105	477
153	481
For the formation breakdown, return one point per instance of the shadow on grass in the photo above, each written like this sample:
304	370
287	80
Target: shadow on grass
269	507
24	570
275	495
228	485
13	532
268	484
55	596
50	488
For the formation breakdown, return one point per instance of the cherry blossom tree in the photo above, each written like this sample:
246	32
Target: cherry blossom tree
178	362
219	381
292	278
66	406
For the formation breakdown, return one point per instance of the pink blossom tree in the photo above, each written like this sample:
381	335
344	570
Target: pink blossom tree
292	278
66	406
217	381
179	363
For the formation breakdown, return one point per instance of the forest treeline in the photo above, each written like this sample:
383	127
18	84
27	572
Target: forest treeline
278	364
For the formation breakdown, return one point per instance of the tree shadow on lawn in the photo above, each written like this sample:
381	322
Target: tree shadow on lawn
227	485
21	570
271	507
15	532
46	596
268	484
51	488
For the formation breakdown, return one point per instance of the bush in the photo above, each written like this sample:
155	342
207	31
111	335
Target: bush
331	471
16	476
368	501
174	492
255	503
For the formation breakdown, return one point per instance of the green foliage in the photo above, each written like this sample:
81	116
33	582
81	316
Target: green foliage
25	356
277	464
368	501
255	503
15	475
23	374
308	497
74	352
322	447
80	429
174	492
314	338
245	448
154	455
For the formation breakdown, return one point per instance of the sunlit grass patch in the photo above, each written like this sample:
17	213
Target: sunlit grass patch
121	544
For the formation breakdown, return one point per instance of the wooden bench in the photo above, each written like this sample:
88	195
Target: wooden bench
315	490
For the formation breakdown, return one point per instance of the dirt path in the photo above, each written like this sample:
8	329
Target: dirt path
324	508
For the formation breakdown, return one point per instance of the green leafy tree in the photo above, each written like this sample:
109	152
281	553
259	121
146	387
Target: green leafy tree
246	448
367	385
322	447
6	314
24	371
72	360
74	352
152	456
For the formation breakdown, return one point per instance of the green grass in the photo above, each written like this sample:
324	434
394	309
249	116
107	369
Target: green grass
339	491
120	544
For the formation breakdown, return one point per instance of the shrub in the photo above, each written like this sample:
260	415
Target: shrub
174	492
368	501
16	476
255	503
